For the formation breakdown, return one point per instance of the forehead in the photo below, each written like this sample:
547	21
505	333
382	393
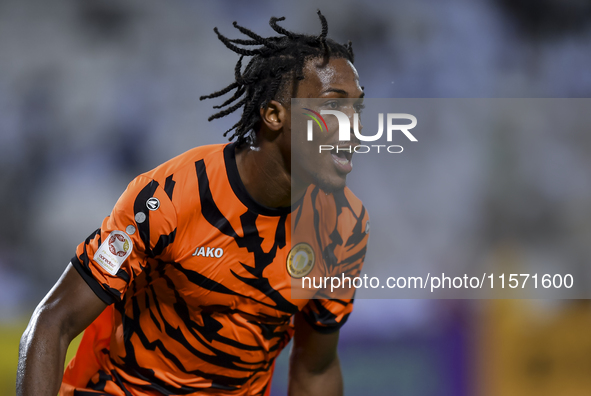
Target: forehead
337	75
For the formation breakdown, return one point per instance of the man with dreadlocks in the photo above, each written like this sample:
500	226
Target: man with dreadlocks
185	289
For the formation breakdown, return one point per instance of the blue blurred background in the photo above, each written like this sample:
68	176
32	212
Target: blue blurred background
94	92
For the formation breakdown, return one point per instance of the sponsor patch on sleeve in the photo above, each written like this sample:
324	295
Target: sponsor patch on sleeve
113	251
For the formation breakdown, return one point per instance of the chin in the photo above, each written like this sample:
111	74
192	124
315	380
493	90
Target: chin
330	186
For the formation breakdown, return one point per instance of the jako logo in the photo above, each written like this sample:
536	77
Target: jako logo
345	128
210	252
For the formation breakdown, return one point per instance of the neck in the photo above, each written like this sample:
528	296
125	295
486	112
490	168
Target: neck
265	172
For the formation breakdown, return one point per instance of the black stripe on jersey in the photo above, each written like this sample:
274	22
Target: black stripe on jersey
99	385
268	331
163	242
209	209
209	331
85	272
166	389
341	202
264	389
300	209
328	320
84	256
251	240
336	239
148	308
313	196
211	285
152	292
219	358
82	264
328	255
120	382
123	275
240	190
139	206
210	328
354	257
358	232
91	236
147	273
169	186
131	366
203	281
343	302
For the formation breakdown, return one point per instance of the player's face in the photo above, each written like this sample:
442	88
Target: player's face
336	85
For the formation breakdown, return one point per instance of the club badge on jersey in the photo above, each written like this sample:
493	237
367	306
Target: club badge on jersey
300	260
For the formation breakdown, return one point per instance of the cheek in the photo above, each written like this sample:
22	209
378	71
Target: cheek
333	127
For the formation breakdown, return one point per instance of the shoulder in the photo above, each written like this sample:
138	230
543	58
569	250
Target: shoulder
185	162
351	201
162	191
337	218
353	218
345	204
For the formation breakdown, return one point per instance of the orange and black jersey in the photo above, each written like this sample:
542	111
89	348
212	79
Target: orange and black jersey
197	277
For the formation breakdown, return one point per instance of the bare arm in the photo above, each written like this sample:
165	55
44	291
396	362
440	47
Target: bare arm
314	367
68	308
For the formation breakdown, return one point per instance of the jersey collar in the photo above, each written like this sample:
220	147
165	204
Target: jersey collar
240	190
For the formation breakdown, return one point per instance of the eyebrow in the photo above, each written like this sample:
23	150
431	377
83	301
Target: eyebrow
341	91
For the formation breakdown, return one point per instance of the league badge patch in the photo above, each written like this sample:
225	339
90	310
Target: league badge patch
113	251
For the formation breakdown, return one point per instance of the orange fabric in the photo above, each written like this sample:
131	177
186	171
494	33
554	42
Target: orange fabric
85	364
202	304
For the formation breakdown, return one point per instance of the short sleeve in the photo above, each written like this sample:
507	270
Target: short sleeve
327	315
141	226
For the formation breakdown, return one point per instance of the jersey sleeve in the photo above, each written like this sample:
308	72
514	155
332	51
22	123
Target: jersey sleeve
141	226
330	312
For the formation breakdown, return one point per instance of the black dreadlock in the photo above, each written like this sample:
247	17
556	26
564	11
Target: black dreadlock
264	77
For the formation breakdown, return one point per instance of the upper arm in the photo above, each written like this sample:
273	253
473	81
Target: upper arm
70	305
312	350
314	364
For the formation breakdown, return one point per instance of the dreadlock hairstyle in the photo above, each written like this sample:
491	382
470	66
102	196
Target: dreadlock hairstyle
275	62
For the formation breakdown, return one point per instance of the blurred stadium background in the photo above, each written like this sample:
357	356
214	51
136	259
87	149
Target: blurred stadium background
94	92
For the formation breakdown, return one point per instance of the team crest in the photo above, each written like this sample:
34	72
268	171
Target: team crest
300	260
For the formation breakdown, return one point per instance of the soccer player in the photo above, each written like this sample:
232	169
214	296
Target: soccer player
185	289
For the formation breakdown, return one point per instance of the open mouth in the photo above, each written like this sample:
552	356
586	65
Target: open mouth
342	155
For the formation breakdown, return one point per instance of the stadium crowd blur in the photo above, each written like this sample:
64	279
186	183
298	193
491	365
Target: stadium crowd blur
93	93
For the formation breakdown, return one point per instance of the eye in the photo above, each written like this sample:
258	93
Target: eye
359	107
333	105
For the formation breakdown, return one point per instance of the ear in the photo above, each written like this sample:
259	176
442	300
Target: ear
274	116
